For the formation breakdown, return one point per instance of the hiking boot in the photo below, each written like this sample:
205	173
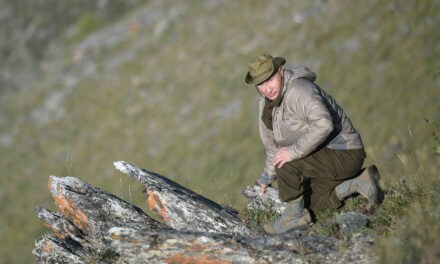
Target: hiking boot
294	218
366	184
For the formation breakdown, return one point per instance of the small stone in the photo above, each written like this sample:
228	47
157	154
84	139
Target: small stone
351	222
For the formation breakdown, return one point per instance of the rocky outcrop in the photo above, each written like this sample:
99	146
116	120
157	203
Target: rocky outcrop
93	226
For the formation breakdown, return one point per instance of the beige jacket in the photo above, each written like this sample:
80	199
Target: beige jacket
306	120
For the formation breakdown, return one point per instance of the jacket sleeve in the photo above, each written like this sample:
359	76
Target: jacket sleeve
309	105
268	140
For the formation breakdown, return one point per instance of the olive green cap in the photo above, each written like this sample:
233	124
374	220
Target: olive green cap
262	68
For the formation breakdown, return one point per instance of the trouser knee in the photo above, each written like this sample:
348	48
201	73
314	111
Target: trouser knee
289	182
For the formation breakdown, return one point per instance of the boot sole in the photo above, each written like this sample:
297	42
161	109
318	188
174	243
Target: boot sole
374	172
297	228
306	225
303	227
374	175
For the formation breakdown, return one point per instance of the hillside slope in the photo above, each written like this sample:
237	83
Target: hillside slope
163	87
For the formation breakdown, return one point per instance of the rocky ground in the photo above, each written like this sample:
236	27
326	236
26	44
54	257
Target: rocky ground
96	226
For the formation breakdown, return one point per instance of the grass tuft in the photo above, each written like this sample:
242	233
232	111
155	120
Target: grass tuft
255	219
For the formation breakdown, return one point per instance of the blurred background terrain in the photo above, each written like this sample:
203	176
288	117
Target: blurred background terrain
160	84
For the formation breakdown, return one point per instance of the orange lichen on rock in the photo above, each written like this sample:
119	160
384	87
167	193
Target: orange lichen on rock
185	259
195	248
75	215
55	230
157	205
47	249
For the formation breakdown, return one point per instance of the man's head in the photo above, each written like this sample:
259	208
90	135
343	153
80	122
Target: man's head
266	73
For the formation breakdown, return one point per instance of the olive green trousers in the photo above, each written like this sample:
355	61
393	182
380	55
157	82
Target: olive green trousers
317	175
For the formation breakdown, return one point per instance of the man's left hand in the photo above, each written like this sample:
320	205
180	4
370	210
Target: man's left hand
281	157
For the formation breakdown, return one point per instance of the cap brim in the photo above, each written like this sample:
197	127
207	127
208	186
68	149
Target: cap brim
248	78
278	62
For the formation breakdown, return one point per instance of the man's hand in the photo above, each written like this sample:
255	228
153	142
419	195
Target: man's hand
262	187
281	157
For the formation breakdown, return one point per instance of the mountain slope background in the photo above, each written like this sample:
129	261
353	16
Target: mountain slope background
161	84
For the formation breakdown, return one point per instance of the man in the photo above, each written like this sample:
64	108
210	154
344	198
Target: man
312	148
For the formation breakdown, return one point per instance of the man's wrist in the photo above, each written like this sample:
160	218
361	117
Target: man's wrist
265	178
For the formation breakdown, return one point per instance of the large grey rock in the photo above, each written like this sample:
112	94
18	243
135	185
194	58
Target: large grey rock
94	226
183	209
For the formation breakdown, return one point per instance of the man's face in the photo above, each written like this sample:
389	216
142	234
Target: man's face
271	88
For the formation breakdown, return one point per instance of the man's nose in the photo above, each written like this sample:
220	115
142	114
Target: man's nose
268	88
